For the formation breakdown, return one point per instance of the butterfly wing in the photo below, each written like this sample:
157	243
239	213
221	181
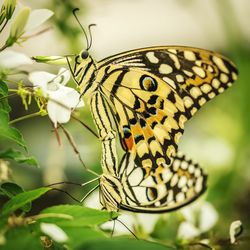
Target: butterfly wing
149	114
167	189
152	92
196	74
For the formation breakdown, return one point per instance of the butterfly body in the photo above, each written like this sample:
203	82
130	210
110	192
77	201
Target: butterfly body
149	94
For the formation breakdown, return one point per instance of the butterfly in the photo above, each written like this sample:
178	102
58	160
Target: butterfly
145	96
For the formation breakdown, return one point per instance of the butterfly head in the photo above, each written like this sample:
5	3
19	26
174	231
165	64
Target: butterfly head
110	188
82	60
84	68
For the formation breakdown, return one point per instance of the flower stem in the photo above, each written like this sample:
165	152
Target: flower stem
25	117
4	47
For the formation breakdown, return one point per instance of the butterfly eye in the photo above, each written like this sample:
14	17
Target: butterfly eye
85	54
148	83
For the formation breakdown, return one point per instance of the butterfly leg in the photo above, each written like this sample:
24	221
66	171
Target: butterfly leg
107	134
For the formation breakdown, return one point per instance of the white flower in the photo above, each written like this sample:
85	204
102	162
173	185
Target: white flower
62	100
187	230
199	218
54	232
10	59
131	220
26	20
37	18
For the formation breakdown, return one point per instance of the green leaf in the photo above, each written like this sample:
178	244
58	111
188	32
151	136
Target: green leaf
11	189
22	239
166	228
78	216
122	244
9	132
79	235
4	105
20	200
3	88
19	157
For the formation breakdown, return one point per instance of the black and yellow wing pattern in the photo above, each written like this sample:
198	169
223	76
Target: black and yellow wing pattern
150	93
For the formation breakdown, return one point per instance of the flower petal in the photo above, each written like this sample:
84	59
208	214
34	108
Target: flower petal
208	217
12	59
187	230
38	17
63	76
147	221
41	79
54	232
188	213
57	112
68	96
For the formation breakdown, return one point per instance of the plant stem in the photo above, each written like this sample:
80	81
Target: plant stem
25	117
4	47
6	21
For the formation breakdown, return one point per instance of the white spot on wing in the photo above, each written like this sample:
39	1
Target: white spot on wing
218	61
165	69
151	57
199	71
189	55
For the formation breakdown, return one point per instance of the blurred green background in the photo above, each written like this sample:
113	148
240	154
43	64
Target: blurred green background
217	137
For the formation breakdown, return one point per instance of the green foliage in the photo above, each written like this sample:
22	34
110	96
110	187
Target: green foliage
10	190
8	132
122	244
78	223
21	199
80	216
19	157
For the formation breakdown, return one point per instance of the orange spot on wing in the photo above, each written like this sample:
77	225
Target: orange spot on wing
129	143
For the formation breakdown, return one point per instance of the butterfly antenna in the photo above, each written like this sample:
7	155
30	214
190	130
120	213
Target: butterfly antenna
127	228
83	30
90	35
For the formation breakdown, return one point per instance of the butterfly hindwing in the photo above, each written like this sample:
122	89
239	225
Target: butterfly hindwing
166	189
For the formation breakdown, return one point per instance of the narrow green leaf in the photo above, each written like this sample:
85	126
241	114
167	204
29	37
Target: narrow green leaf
21	199
11	189
3	88
9	132
4	97
122	244
19	157
80	216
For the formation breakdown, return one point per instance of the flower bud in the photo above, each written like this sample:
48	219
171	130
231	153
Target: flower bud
18	26
7	10
55	60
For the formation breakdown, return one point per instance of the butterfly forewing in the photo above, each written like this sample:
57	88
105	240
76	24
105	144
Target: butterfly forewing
196	74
